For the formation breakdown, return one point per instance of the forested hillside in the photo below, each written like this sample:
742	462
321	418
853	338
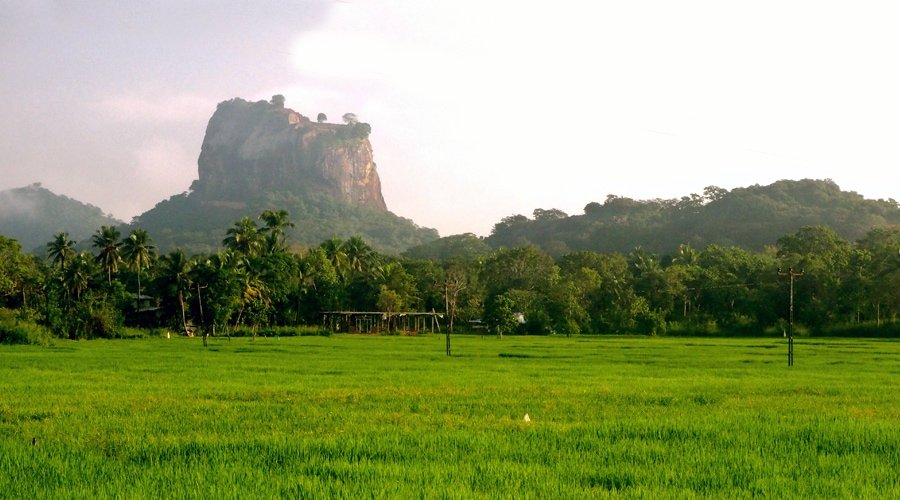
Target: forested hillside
751	218
195	225
33	214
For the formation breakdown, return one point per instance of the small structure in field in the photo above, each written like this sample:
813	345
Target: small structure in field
381	322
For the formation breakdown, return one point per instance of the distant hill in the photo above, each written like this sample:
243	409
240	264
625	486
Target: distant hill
465	246
33	214
751	217
261	155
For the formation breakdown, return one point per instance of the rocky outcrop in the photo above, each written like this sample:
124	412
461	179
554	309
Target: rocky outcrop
254	148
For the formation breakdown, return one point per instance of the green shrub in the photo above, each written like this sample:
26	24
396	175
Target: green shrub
868	329
128	332
14	330
693	329
740	328
102	320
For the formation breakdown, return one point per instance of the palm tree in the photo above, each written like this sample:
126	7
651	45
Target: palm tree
253	290
106	239
215	280
77	275
686	255
138	253
175	274
244	238
359	254
276	222
335	251
683	277
61	249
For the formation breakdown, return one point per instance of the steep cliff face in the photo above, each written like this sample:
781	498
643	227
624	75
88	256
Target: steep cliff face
259	156
254	148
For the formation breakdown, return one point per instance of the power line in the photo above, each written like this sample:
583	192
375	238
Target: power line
792	274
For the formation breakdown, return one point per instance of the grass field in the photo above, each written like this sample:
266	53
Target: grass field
361	417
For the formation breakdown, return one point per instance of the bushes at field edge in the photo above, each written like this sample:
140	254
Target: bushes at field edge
14	330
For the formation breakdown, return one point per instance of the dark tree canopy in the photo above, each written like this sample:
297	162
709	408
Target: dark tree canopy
551	214
751	217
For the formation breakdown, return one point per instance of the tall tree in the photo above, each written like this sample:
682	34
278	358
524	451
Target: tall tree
175	278
611	303
336	252
138	253
882	285
275	223
319	285
500	315
824	256
359	254
455	281
649	278
524	268
77	275
106	240
568	299
254	292
61	249
243	238
731	280
18	272
389	302
216	282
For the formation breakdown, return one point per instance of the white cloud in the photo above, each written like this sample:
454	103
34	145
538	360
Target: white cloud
13	204
161	162
512	106
483	109
162	167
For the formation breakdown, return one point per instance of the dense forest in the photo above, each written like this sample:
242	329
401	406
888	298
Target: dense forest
194	224
32	215
256	282
751	217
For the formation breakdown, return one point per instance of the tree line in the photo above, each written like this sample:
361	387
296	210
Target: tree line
257	280
751	217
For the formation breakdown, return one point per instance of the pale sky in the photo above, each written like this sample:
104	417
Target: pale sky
479	109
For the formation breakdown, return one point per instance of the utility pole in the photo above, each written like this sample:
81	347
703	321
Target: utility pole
792	274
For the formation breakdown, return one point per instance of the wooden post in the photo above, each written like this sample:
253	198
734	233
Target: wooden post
792	274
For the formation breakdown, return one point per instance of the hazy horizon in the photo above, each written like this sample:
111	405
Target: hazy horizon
479	110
